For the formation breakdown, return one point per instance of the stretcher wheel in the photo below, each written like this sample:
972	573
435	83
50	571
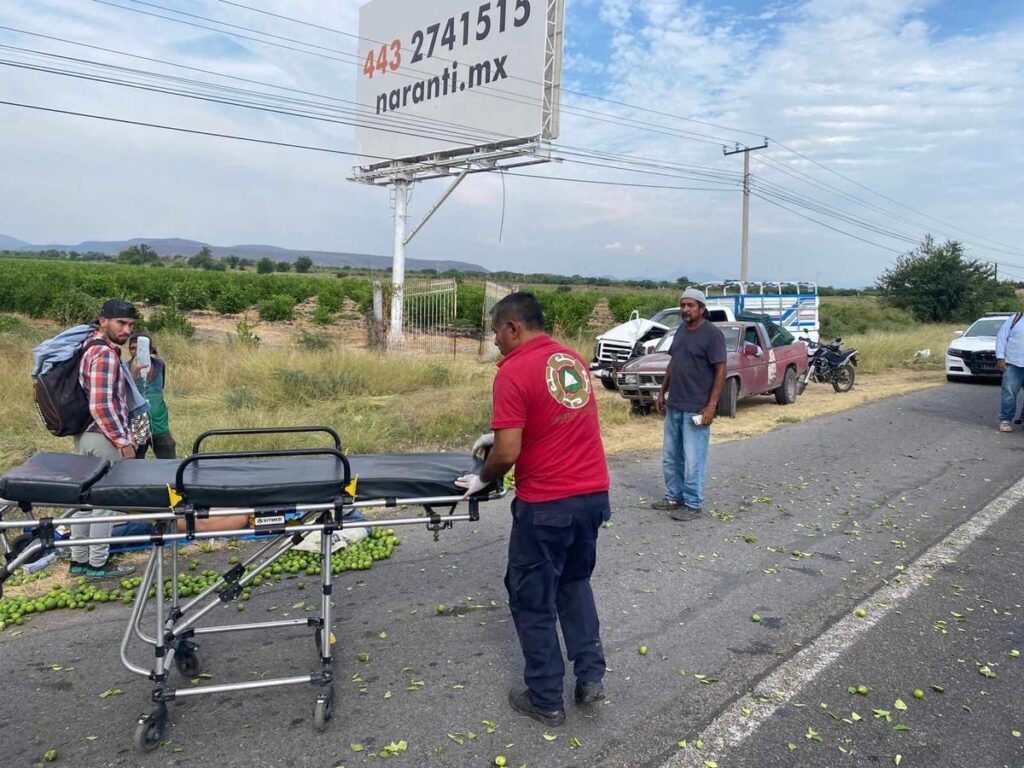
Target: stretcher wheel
188	661
149	731
324	709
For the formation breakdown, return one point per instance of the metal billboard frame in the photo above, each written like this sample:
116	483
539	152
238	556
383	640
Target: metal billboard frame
461	162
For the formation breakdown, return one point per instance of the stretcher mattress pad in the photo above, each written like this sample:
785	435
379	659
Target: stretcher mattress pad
53	478
59	478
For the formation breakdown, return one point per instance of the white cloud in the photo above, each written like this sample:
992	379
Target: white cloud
620	246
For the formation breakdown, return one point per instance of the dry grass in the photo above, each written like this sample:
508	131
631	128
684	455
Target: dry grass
405	402
755	416
886	350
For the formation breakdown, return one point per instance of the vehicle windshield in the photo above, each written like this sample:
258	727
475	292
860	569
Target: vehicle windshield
731	333
668	317
666	342
732	336
988	326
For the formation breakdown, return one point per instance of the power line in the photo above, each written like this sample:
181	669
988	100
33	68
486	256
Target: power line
823	224
810	180
254	140
614	183
582	94
487	90
891	200
676	169
177	128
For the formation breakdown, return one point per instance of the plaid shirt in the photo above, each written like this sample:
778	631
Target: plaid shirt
102	379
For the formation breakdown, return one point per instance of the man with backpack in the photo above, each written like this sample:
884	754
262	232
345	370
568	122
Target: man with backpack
1010	360
102	378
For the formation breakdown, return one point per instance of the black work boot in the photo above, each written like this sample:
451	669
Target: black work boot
684	513
589	693
521	702
668	504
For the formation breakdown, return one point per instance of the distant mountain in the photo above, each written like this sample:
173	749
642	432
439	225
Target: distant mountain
178	247
12	244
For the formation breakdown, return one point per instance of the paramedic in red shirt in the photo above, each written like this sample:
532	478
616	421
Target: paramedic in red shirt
545	423
109	435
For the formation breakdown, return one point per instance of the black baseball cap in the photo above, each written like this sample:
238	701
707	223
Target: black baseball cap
119	308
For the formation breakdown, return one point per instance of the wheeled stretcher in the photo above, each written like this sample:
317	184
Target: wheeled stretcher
287	495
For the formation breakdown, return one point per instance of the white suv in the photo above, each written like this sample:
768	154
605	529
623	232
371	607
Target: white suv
973	353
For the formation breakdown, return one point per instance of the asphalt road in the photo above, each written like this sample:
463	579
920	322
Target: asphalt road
804	525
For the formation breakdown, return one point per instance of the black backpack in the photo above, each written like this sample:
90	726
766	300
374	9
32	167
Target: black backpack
62	403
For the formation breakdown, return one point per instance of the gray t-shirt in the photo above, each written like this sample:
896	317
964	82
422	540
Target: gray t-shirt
694	355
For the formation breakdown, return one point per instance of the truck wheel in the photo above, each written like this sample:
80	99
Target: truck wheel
727	402
786	392
608	382
639	409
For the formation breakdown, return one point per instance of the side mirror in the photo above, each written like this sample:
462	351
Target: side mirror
957	334
751	350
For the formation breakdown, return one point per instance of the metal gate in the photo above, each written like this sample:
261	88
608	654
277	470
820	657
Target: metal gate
430	308
493	293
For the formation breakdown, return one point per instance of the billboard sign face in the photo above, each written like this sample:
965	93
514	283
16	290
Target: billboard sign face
451	75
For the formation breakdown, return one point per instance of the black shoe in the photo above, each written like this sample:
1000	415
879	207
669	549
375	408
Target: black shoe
589	693
668	504
520	701
684	513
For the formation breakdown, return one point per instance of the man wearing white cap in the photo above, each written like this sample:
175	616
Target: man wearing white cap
693	383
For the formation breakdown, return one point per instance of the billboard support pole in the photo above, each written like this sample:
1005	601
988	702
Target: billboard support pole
395	335
438	204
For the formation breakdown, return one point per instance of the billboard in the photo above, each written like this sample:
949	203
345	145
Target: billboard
451	75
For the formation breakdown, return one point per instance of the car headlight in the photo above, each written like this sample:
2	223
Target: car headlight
955	352
628	378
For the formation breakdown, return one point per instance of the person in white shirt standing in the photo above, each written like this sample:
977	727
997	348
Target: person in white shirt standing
1010	360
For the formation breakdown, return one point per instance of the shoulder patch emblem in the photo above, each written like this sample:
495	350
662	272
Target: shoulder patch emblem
568	381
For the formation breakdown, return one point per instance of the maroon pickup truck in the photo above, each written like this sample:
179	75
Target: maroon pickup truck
753	367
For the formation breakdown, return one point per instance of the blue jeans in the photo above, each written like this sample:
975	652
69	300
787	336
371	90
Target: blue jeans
1013	380
684	456
552	550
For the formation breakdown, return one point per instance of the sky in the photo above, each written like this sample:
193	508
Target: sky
885	120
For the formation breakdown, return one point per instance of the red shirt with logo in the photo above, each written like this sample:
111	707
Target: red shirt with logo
544	389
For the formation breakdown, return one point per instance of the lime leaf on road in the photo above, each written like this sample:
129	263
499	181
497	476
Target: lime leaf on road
898	704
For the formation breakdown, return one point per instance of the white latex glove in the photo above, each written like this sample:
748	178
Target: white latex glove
472	483
482	444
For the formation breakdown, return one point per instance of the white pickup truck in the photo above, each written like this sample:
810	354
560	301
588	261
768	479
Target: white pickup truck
791	305
638	336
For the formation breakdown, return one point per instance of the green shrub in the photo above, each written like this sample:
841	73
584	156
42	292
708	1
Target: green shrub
649	303
240	398
10	324
191	292
439	375
232	301
314	342
360	290
170	320
322	316
330	298
277	308
847	316
74	308
245	336
470	297
325	385
568	311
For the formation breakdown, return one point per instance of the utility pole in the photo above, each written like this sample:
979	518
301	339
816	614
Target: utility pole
395	335
746	206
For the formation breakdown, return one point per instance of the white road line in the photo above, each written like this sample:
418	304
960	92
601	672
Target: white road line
732	727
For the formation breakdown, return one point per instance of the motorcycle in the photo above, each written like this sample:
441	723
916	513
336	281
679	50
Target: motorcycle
829	364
